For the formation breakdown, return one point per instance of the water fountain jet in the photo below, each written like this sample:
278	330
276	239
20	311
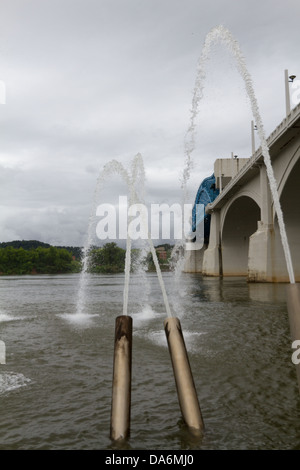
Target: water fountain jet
220	33
121	389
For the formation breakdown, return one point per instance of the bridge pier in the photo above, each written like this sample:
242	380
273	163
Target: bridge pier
260	257
212	257
193	260
261	242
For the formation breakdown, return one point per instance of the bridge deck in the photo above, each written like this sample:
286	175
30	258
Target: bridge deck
286	131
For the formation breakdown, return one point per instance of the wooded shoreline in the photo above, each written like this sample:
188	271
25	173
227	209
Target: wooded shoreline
34	257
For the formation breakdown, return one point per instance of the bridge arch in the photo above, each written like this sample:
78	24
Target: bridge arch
289	199
288	170
239	223
242	193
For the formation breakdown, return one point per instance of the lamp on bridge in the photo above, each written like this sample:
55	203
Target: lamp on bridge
288	78
253	128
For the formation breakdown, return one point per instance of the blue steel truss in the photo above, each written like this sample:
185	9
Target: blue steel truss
206	193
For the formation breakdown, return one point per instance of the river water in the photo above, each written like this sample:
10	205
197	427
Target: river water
55	388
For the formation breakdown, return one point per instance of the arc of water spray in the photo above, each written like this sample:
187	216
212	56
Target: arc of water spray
109	168
220	33
136	167
137	174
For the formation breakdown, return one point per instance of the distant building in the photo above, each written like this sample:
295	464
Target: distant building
161	253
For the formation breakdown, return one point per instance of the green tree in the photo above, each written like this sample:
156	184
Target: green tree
40	260
108	259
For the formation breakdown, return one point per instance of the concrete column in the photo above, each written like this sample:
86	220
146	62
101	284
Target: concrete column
212	259
266	215
193	260
232	166
261	243
260	255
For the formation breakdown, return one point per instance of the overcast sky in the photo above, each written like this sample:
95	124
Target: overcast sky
88	81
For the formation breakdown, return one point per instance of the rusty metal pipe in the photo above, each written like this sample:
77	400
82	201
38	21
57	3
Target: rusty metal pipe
121	389
186	391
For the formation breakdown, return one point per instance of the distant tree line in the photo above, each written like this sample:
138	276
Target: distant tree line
37	261
25	244
34	257
33	244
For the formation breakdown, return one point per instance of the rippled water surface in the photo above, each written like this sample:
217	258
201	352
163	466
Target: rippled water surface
55	388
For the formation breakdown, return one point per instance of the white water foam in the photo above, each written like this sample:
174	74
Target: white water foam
158	338
145	316
7	317
10	381
191	339
78	319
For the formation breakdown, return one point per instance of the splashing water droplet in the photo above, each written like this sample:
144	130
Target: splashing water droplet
136	176
223	35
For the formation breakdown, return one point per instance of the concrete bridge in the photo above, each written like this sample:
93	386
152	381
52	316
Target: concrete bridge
244	238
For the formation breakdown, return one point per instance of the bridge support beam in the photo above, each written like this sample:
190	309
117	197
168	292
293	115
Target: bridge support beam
261	243
266	214
193	260
212	257
260	258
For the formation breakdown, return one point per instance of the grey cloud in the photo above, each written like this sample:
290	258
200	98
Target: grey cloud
89	81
